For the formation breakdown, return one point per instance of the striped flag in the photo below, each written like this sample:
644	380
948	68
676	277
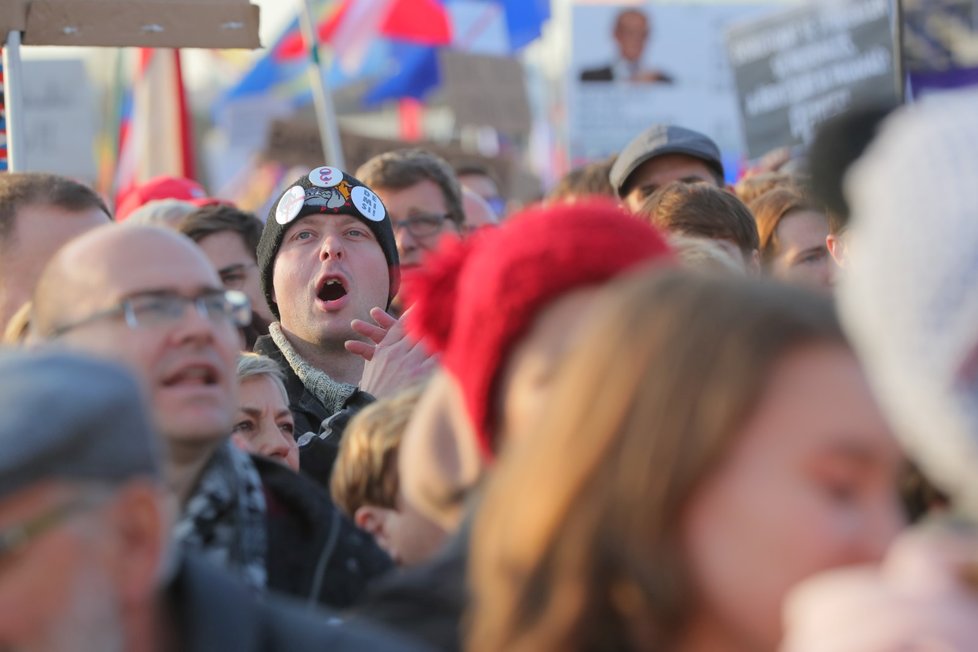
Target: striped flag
3	120
356	24
156	130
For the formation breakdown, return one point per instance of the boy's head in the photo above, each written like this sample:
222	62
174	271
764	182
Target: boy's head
704	211
365	482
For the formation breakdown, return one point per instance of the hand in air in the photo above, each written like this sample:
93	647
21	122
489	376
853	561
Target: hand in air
394	360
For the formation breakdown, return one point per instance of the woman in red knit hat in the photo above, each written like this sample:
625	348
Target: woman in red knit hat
499	309
714	444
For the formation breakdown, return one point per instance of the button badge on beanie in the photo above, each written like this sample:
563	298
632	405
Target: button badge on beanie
368	204
290	204
325	177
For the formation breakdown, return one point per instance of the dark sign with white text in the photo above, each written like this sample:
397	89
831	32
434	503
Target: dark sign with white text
796	69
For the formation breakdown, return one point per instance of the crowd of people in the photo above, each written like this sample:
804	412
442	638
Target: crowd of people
651	412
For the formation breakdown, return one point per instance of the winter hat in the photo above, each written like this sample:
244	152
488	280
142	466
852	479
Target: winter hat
332	191
96	426
474	299
909	294
162	188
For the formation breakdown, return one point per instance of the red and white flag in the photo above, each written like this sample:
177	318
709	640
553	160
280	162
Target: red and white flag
156	131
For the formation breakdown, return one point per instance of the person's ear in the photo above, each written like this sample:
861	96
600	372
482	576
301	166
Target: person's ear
836	244
376	522
138	517
754	263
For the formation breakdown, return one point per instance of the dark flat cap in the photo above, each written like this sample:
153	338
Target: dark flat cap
67	417
659	140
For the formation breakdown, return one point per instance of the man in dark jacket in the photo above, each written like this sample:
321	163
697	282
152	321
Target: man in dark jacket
83	531
328	263
149	298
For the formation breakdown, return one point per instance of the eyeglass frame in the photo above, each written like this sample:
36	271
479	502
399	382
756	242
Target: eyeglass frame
412	221
16	537
126	309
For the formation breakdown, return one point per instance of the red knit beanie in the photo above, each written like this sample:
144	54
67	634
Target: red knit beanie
475	299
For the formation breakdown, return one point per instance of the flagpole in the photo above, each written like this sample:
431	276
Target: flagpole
13	79
329	131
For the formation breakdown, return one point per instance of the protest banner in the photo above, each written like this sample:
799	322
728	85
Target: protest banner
637	63
295	142
59	118
468	78
797	68
112	23
139	23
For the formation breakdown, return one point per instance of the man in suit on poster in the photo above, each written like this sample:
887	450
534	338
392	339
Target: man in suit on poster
631	33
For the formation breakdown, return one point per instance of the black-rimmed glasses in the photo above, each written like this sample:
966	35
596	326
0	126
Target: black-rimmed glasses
165	308
421	226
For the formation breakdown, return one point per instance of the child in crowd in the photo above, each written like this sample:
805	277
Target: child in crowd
365	482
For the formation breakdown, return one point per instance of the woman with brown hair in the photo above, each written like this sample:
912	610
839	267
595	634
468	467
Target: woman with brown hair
711	445
793	231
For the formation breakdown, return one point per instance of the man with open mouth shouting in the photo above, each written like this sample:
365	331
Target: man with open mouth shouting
329	263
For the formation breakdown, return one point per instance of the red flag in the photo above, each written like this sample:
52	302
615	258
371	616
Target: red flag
356	22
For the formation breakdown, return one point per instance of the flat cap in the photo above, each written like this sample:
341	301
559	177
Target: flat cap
659	140
67	417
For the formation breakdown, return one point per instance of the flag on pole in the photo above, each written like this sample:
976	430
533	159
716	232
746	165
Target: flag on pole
356	24
156	129
418	73
3	120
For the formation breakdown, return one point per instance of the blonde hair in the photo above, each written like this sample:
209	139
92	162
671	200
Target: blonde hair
365	472
168	213
704	255
750	188
576	546
19	327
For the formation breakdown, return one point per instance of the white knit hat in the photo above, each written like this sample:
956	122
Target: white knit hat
909	297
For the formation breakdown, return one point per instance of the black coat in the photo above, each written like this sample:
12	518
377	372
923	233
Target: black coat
315	554
316	454
210	611
425	603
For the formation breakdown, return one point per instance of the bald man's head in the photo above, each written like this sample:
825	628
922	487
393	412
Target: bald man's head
110	257
149	298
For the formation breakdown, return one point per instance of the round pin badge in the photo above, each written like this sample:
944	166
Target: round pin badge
290	204
325	177
368	204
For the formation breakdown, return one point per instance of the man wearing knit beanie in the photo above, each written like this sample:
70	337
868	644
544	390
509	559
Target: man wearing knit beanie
500	309
327	258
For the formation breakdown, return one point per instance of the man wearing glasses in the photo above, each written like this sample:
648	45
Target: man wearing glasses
422	196
85	559
149	298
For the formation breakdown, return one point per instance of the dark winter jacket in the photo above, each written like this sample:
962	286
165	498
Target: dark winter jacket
210	611
425	603
315	554
317	452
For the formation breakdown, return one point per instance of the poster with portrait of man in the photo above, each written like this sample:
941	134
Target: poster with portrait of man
633	64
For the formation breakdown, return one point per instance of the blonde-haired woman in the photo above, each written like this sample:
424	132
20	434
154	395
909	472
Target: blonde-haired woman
713	443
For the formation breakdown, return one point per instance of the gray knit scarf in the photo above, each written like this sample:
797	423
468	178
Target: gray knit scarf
225	517
331	394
